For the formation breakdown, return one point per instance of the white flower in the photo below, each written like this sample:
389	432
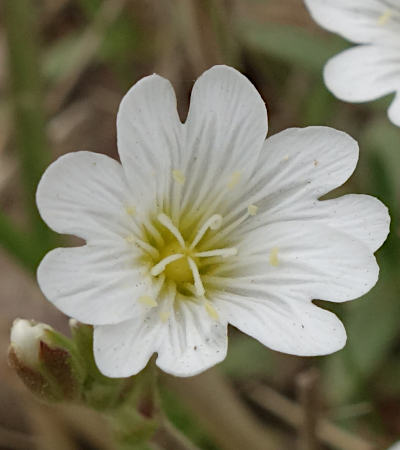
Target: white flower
25	340
207	223
372	68
395	446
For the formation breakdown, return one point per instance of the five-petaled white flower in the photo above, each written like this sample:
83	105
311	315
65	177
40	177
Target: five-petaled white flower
372	68
207	223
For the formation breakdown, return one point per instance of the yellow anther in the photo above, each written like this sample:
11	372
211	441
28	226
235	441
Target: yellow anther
130	239
385	17
130	210
273	257
286	158
164	316
252	209
178	176
211	311
234	180
148	301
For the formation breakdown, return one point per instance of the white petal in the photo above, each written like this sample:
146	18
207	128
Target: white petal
394	110
225	129
149	139
26	337
360	21
95	285
188	341
307	161
192	341
285	325
124	349
314	260
395	446
85	194
363	217
296	165
363	73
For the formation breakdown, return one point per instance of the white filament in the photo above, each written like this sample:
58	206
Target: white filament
214	222
196	277
167	222
224	252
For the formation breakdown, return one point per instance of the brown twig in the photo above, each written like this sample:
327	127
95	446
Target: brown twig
307	391
15	439
86	49
292	414
222	413
170	438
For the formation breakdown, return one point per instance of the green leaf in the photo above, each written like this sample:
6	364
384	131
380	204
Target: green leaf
292	44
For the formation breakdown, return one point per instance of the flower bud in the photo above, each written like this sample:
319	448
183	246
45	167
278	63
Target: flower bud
45	360
25	339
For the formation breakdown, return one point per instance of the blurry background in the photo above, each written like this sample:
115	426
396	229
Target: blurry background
64	66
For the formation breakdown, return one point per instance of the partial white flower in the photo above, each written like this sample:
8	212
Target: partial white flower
25	340
207	223
372	68
395	446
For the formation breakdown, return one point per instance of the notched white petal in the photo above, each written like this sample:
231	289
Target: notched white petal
85	194
285	324
192	341
149	134
95	285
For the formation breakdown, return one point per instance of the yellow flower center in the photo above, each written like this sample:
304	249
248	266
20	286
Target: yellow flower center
178	270
173	258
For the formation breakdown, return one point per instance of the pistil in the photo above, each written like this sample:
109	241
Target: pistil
160	267
178	262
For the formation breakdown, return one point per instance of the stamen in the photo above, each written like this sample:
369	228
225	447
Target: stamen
158	286
211	260
164	316
130	210
155	233
385	17
196	213
160	267
252	210
196	277
167	222
273	257
211	311
148	301
224	252
168	302
146	247
178	176
234	180
214	222
228	229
